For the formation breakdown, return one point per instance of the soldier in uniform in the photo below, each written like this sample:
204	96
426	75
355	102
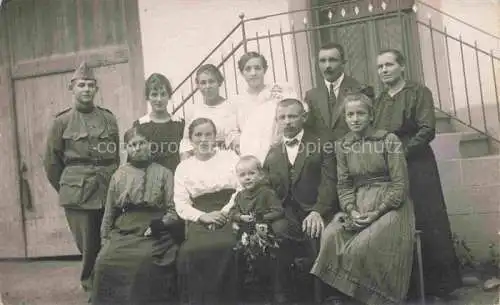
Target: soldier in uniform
82	154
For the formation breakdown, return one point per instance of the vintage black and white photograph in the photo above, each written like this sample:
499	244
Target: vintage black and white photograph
250	152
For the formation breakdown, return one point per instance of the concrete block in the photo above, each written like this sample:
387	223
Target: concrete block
481	171
457	201
484	199
478	231
450	173
446	145
474	144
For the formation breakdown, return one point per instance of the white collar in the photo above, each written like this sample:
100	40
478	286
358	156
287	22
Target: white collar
147	119
298	136
336	83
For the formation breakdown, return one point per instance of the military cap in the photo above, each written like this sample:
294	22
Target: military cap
83	72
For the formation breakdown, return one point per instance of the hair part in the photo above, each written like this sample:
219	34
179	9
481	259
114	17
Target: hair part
359	97
400	58
209	68
158	81
247	56
336	46
291	101
133	132
200	121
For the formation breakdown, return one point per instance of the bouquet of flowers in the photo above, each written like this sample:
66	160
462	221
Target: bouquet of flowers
256	242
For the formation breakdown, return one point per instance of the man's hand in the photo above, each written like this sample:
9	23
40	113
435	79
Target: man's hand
148	232
313	225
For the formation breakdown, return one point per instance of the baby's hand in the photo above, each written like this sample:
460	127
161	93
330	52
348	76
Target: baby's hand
247	218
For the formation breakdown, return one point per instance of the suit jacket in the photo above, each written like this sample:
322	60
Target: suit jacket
328	120
313	185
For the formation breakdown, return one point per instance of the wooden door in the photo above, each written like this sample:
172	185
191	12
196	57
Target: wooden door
47	41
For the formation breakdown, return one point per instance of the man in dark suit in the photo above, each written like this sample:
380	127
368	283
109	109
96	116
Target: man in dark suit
326	101
302	171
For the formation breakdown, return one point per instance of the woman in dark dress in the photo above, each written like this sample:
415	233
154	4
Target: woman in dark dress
204	183
407	109
164	133
136	264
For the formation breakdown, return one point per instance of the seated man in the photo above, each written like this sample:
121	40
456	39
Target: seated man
302	171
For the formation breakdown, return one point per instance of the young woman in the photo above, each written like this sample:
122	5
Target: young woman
164	133
366	251
204	183
214	107
256	107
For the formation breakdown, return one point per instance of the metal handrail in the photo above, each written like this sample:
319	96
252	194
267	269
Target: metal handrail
235	28
457	19
457	39
223	61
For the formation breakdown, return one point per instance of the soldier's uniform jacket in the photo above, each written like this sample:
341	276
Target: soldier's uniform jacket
82	154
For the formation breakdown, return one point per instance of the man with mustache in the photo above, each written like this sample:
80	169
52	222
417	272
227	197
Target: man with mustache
302	171
325	101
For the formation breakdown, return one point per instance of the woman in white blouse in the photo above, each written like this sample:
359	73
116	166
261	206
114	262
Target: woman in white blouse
256	107
203	184
214	107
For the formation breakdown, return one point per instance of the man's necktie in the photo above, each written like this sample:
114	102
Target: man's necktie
332	99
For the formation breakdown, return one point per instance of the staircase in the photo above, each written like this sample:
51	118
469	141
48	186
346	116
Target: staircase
463	76
453	58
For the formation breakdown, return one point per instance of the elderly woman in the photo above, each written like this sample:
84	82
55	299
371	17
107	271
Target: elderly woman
164	133
204	183
366	251
136	264
407	109
256	107
214	107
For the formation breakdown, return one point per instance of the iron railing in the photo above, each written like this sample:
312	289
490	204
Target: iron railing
462	75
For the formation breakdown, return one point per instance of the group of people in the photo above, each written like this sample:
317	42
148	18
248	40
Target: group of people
341	168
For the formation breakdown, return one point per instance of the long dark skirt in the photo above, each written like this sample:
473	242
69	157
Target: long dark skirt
441	268
206	261
136	270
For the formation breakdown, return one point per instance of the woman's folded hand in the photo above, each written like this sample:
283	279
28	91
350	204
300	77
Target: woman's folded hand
216	218
366	219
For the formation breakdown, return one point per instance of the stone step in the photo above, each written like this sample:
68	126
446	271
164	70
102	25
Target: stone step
443	123
455	145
